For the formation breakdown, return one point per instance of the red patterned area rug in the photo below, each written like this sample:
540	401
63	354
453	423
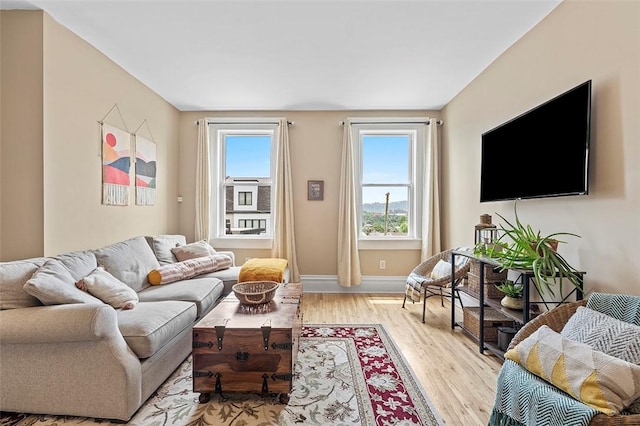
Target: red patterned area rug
345	375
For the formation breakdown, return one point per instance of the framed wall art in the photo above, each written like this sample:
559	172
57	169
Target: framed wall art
315	190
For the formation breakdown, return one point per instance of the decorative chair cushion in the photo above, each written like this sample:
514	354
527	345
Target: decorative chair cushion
605	334
193	250
109	289
601	381
53	284
620	306
441	270
189	268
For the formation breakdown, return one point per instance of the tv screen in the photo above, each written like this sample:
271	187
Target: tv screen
543	152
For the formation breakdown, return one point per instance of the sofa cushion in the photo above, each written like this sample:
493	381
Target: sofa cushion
228	276
109	289
193	250
149	326
204	292
53	284
601	381
189	268
129	261
79	263
162	245
13	276
604	333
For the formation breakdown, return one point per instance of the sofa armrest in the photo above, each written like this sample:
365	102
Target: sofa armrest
68	360
231	255
58	323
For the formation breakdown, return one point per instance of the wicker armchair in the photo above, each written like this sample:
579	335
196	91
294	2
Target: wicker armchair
556	319
433	287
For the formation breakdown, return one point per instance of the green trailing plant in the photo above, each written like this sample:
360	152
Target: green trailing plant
529	249
509	288
489	250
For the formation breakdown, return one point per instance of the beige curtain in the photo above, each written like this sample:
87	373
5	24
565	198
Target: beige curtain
203	183
284	240
348	255
431	192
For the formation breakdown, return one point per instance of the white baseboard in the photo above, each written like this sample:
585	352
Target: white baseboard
370	284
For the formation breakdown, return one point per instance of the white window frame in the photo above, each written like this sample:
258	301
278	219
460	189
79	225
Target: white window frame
414	128
218	130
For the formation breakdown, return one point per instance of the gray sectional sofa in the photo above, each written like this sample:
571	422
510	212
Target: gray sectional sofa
90	359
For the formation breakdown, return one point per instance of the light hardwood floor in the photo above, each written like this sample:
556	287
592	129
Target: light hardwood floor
459	381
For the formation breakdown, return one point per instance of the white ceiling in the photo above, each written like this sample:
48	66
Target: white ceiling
300	54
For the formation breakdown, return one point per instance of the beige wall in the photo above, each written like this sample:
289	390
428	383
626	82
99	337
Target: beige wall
21	159
59	88
76	86
578	41
316	149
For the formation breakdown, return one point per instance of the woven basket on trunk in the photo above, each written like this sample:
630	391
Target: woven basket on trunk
255	292
556	319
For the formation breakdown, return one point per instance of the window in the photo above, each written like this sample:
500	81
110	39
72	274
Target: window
242	158
244	198
387	172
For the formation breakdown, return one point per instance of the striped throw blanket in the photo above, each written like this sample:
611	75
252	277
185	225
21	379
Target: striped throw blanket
522	399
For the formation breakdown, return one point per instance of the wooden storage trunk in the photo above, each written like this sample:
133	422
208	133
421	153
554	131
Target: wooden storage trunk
491	273
248	348
490	290
492	320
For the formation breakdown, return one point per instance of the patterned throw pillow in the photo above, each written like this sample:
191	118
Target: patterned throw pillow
189	268
604	333
109	289
193	251
53	284
603	382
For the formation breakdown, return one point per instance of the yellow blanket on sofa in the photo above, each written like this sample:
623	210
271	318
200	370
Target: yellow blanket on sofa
263	269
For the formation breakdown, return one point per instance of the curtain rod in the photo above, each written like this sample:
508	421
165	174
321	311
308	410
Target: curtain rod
438	122
289	123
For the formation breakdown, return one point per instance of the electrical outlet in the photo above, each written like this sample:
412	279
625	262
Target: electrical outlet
383	264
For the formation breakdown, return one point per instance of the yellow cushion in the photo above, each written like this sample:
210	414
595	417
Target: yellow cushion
263	269
601	381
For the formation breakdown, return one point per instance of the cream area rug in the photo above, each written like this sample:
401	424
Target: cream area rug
344	375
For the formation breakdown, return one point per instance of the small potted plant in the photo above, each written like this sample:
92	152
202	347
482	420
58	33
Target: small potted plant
512	294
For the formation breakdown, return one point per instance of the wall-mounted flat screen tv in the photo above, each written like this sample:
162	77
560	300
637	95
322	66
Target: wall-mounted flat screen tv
543	152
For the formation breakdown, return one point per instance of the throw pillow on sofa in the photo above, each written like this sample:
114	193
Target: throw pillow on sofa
129	261
13	276
189	268
53	284
162	245
109	289
193	250
600	381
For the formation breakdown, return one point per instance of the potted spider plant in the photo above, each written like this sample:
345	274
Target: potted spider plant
529	249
